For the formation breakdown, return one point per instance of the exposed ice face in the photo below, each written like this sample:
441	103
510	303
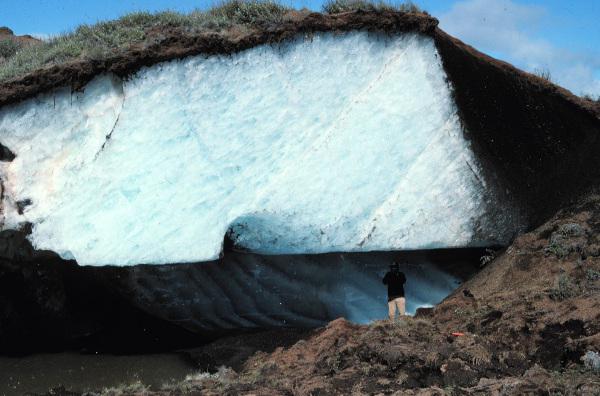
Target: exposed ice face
338	143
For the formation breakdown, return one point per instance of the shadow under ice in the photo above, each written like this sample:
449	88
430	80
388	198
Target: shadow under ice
49	304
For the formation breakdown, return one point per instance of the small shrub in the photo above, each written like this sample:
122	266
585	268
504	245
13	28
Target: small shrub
559	244
339	6
543	73
487	258
480	356
592	275
566	288
557	250
8	48
334	363
136	388
194	382
571	230
433	359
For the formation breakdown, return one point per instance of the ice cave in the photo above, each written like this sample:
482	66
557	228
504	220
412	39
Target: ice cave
330	144
244	290
222	201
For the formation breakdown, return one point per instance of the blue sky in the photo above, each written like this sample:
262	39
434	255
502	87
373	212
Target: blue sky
558	35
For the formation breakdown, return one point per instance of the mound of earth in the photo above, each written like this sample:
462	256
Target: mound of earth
528	323
8	34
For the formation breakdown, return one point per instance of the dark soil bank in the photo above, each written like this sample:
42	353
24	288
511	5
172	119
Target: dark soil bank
538	143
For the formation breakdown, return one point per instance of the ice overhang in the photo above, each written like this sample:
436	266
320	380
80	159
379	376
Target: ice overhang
336	143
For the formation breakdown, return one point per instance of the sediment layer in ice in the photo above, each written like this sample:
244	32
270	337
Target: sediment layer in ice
338	143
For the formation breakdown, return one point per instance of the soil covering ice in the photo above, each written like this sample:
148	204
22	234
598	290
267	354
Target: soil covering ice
335	143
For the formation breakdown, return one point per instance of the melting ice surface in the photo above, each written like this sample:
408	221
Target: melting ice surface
338	143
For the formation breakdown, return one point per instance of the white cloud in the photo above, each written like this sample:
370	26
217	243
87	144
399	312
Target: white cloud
508	30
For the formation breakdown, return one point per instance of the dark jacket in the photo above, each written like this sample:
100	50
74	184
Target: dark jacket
395	282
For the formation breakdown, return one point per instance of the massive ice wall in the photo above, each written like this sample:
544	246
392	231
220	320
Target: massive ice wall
338	143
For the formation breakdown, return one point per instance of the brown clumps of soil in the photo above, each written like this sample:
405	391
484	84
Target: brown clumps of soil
527	320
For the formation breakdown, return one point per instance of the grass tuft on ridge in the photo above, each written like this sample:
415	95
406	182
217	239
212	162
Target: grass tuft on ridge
103	39
339	6
100	40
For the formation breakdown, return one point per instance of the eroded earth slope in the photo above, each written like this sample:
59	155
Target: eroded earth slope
530	322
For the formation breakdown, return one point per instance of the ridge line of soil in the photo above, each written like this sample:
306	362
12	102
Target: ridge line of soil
164	45
169	44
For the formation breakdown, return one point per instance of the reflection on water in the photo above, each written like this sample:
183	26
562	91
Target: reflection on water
39	373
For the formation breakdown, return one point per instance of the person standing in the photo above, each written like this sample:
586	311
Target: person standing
395	280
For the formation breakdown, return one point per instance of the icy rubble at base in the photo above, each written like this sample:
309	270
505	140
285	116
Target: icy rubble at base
338	143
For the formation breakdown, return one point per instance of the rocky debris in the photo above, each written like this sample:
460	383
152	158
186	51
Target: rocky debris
508	335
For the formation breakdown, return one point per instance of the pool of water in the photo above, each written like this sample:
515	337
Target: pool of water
85	372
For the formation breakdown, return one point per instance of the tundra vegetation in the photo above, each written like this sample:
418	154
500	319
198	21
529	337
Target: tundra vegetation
339	6
544	74
103	39
9	48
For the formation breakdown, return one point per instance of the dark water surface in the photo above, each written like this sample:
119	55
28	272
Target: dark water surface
86	372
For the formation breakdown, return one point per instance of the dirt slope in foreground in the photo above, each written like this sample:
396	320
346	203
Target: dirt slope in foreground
528	319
